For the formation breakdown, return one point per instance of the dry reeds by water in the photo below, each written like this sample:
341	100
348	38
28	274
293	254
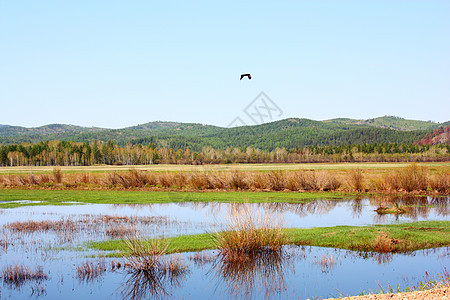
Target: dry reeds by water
143	256
151	269
384	244
81	228
18	274
88	271
409	179
249	233
356	180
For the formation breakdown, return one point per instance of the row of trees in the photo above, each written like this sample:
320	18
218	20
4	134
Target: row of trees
63	153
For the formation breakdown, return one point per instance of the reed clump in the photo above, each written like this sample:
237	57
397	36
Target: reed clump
120	231
18	274
201	181
440	182
356	180
250	233
144	256
383	244
237	180
150	259
57	175
88	270
412	178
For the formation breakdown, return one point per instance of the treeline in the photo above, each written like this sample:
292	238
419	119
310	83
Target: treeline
63	153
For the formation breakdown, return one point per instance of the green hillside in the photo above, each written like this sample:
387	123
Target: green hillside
391	122
289	133
51	129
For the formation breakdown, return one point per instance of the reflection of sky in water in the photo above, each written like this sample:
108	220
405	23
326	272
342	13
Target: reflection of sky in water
319	213
303	277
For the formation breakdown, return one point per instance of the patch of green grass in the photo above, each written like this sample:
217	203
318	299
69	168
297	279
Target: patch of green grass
405	237
62	197
409	236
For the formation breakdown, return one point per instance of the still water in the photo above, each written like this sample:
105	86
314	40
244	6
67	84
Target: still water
301	272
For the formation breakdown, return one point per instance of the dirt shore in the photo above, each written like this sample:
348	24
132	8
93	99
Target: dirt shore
434	294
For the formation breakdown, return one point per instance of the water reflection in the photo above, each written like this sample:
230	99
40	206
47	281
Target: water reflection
151	284
264	272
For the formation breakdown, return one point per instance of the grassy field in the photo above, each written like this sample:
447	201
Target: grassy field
222	167
378	238
65	197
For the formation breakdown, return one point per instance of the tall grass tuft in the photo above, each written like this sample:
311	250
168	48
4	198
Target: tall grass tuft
57	175
276	180
237	180
440	182
413	178
356	180
201	181
327	181
249	233
144	256
150	269
384	244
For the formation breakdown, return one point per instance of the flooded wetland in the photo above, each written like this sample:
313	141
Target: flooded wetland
93	251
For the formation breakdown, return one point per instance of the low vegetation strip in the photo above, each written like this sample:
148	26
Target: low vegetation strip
403	237
10	198
410	179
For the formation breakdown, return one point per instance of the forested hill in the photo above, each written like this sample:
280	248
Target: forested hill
289	133
390	122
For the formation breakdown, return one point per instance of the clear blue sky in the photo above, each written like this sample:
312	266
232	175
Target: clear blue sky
121	63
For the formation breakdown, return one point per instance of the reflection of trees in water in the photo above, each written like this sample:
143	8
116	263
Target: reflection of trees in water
418	207
319	207
151	284
380	258
441	204
357	207
265	271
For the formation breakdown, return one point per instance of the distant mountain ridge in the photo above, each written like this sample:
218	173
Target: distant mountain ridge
7	130
391	122
289	133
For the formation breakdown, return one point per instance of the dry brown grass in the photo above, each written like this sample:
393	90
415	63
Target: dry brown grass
413	178
57	175
250	233
237	180
384	244
120	231
88	270
45	225
144	256
16	275
356	180
440	182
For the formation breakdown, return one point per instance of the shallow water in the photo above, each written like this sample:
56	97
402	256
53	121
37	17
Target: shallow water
300	276
200	215
307	272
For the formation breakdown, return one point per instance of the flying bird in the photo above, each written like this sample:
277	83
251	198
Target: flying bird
246	75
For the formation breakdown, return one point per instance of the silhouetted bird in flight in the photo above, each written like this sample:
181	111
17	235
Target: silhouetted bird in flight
246	75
